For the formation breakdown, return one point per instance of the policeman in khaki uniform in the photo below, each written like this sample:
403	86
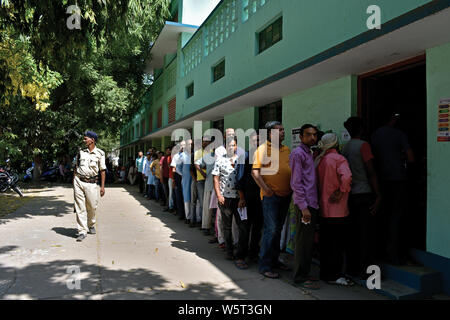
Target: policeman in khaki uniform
90	162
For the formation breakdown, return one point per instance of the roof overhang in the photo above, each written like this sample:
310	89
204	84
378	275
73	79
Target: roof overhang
401	44
166	43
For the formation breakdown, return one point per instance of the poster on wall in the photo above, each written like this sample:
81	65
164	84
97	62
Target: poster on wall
444	121
295	138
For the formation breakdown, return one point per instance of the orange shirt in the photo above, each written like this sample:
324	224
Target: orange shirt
274	169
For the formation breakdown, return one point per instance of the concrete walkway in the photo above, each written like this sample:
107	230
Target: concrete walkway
139	252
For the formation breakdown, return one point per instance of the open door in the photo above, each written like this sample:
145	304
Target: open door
402	88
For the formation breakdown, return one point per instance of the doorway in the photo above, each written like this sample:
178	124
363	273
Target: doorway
401	88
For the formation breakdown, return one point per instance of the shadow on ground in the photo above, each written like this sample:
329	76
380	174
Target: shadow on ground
195	242
248	280
68	232
38	206
58	280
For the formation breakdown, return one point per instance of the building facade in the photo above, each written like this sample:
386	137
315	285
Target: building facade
239	63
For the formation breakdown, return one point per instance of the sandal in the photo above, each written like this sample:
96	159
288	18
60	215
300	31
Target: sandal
270	274
213	240
308	285
222	246
240	264
342	282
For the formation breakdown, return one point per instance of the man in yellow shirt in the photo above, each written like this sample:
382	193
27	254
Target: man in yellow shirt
155	167
272	173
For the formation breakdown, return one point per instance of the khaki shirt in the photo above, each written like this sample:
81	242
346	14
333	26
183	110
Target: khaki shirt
90	162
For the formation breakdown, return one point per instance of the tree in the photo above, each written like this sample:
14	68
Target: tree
57	82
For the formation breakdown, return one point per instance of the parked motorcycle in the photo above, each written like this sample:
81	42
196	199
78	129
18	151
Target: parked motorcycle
51	174
9	179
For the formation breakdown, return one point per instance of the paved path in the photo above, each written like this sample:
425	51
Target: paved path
139	252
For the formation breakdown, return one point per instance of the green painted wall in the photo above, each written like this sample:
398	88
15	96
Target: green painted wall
244	119
309	28
438	204
305	34
327	105
165	142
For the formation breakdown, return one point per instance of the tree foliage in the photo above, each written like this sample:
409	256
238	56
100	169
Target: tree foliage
57	82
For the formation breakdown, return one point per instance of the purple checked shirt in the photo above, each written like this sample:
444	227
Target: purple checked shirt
303	178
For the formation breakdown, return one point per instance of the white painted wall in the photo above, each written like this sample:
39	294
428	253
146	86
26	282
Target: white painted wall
196	11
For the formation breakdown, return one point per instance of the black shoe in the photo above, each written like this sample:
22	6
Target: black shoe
81	237
181	218
187	221
166	209
191	225
171	210
206	232
92	230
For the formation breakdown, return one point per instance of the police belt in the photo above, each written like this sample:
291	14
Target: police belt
87	179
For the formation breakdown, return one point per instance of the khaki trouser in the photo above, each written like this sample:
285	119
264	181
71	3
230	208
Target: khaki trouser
86	201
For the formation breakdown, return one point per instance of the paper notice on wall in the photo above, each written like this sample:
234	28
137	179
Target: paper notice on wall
295	138
444	121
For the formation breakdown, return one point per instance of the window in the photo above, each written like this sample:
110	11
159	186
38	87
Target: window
219	124
270	112
150	123
270	35
219	71
250	7
142	127
172	109
190	90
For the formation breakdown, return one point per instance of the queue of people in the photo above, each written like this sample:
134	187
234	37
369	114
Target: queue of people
242	198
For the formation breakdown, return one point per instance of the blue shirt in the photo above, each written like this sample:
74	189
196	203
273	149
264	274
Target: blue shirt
140	164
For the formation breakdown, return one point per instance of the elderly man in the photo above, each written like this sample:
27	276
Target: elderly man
89	162
334	180
272	173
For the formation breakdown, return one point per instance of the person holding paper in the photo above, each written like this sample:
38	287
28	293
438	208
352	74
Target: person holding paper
229	200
